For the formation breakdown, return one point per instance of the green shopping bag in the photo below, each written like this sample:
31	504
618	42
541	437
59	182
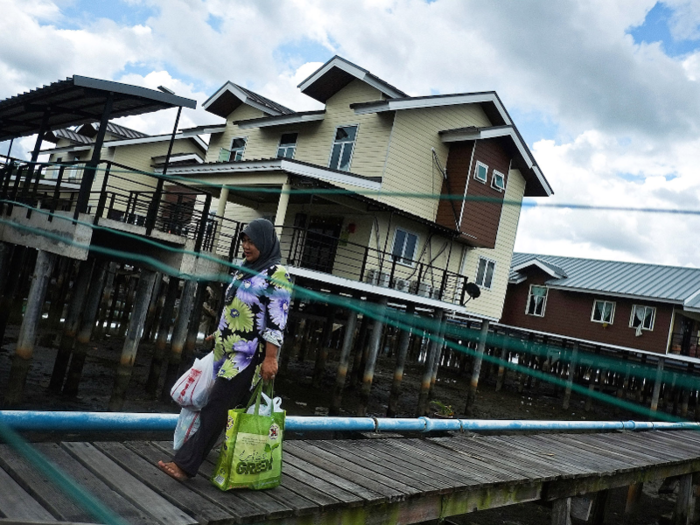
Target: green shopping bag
251	456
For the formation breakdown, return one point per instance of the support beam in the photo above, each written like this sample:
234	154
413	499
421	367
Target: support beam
177	342
658	381
162	337
376	338
430	359
323	348
476	370
87	325
71	325
343	362
561	512
685	502
570	378
404	342
24	351
282	206
133	337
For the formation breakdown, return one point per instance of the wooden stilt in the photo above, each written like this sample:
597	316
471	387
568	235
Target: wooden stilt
404	340
634	493
359	349
657	385
71	325
561	511
323	348
474	383
177	342
105	302
75	371
28	330
433	348
570	378
133	337
343	362
14	267
685	502
166	318
375	340
129	292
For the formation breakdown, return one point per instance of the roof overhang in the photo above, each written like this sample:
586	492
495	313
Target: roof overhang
131	142
489	100
203	130
542	266
337	73
229	97
601	293
537	185
79	100
282	120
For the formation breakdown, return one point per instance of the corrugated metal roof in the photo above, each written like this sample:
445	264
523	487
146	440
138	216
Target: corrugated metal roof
123	131
653	281
71	135
266	101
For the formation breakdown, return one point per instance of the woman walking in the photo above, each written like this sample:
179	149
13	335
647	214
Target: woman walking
246	343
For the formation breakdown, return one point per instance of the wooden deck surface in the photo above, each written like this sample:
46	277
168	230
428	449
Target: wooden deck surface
388	480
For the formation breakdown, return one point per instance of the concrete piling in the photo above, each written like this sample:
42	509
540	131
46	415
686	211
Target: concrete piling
343	362
404	341
368	375
177	342
166	317
474	383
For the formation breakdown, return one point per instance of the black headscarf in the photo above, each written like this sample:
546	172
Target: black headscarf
264	237
262	233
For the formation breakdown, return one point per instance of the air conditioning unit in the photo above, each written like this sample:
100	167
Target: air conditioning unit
435	293
377	278
402	285
425	289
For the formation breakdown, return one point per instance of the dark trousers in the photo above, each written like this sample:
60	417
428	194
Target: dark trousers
225	395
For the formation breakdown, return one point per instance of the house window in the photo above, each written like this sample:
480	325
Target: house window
536	300
235	153
643	317
288	145
341	154
498	181
481	172
405	244
603	312
484	272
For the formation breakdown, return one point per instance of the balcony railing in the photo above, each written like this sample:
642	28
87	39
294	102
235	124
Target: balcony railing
684	345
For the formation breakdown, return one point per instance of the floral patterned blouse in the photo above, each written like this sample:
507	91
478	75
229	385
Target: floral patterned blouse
256	315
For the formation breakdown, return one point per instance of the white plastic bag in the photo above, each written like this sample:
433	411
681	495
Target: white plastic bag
266	405
193	388
187	425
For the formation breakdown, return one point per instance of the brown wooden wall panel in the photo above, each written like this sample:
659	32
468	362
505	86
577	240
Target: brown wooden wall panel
569	314
480	220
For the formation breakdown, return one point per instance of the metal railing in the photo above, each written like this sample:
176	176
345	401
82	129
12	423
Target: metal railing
684	345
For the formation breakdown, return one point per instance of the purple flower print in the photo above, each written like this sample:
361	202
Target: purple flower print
251	288
279	308
246	347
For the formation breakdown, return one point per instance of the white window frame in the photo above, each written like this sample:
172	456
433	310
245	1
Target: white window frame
476	172
294	147
400	260
612	311
352	152
493	272
544	302
494	175
230	149
643	307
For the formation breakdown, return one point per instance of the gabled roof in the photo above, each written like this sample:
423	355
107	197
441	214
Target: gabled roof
282	120
337	73
145	139
230	96
79	100
123	132
536	184
652	282
68	134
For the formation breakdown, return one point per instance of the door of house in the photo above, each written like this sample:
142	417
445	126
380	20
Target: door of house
686	335
321	243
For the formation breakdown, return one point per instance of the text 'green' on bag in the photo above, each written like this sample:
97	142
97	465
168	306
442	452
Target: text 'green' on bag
251	456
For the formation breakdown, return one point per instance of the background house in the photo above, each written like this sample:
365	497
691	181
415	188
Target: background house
632	306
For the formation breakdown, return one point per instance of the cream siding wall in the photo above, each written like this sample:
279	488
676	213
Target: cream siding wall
223	140
315	143
490	303
410	166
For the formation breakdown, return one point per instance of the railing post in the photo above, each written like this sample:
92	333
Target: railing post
443	283
364	263
153	207
15	188
202	224
464	289
56	193
35	189
103	196
393	270
234	243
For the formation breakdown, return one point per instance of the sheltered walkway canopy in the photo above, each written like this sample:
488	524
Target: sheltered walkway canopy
79	100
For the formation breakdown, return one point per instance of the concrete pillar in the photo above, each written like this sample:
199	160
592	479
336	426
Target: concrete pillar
404	341
177	342
220	212
133	337
193	329
105	302
323	348
685	502
501	375
152	314
430	358
570	378
657	385
129	292
87	325
359	347
438	355
71	325
27	332
476	370
162	337
343	362
282	206
375	339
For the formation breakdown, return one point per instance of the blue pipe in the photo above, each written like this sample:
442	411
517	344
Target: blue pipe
66	421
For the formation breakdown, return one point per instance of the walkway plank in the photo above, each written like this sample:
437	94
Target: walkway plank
16	503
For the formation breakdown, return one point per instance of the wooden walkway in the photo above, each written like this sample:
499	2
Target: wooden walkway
390	480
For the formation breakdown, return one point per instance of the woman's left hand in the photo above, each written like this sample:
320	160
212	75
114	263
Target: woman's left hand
268	370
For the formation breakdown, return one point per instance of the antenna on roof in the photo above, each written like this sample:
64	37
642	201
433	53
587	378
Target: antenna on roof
166	90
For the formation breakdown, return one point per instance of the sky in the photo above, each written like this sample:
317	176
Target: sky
606	93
